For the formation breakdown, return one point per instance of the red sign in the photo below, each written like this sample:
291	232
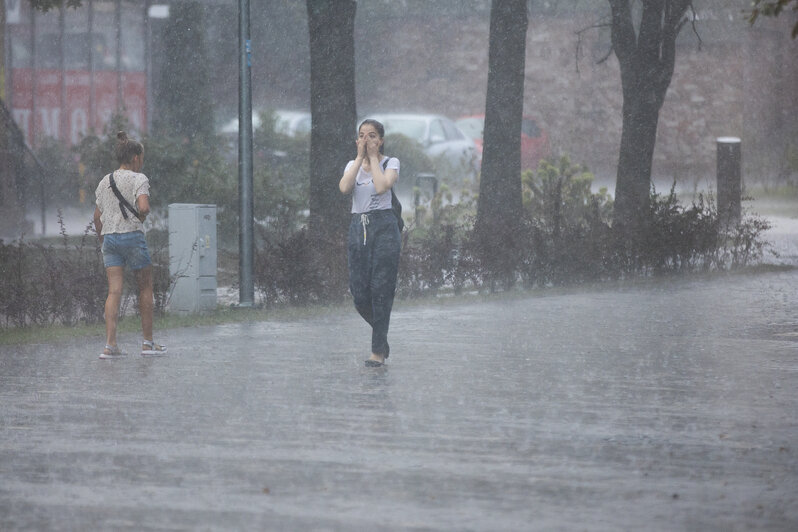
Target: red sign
68	112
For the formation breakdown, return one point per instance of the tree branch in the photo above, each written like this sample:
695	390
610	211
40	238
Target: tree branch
579	42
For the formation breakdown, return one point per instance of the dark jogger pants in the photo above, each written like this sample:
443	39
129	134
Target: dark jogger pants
374	244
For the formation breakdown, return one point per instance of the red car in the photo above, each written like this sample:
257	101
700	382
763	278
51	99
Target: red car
534	140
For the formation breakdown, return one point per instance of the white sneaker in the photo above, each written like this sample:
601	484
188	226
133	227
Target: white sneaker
152	349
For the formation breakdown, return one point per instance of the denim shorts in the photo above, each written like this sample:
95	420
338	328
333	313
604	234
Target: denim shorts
126	249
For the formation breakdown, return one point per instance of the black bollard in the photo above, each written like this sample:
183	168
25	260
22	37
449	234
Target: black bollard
729	179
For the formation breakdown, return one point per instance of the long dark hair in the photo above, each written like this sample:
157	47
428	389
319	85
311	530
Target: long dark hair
127	148
378	126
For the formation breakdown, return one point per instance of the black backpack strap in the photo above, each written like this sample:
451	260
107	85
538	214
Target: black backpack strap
396	205
123	203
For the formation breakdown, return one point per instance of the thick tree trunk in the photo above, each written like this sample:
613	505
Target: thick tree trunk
647	56
332	138
499	208
633	180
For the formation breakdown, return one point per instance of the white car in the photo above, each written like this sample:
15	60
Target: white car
230	128
290	123
453	152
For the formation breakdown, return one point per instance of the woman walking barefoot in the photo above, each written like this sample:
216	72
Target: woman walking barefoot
374	240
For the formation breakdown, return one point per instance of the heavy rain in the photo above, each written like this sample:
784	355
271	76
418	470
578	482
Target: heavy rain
594	323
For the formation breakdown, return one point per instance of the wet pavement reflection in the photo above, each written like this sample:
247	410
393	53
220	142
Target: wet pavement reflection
662	405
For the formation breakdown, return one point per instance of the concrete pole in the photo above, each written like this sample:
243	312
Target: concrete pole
246	296
729	179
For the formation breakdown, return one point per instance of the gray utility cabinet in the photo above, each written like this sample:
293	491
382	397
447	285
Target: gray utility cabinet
192	257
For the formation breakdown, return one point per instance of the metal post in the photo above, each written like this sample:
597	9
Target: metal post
148	66
92	89
34	85
417	194
120	102
246	296
729	179
62	133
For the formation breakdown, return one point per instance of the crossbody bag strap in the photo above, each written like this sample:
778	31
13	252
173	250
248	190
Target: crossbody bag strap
396	205
384	168
123	203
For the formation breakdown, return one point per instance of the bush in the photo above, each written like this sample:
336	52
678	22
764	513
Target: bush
63	180
567	237
436	251
567	226
65	283
412	159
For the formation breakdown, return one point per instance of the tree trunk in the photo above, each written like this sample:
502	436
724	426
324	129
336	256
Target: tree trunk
332	138
647	57
633	183
499	209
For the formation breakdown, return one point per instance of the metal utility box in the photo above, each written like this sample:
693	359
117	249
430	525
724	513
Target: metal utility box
192	257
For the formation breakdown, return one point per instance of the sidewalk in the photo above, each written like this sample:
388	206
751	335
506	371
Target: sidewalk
661	406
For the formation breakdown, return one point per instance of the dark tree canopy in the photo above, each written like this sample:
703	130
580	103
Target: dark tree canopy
773	8
184	100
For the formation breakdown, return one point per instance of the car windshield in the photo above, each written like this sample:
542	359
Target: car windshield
409	127
471	126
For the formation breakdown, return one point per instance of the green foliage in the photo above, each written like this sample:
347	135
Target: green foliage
772	8
283	272
63	283
62	182
186	172
437	251
558	195
280	178
183	101
694	238
412	159
565	238
567	226
96	154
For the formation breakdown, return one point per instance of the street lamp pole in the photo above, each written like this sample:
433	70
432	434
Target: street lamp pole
246	296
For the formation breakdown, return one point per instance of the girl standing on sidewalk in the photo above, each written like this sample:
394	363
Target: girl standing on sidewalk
120	227
374	241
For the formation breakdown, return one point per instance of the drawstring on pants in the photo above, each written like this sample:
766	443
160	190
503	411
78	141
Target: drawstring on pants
364	219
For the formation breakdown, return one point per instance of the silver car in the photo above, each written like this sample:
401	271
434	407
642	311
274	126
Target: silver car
453	152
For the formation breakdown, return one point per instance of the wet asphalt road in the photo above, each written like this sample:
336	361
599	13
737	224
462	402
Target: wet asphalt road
668	405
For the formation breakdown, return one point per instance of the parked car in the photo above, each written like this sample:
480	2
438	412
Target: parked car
453	152
290	123
534	139
293	124
230	128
